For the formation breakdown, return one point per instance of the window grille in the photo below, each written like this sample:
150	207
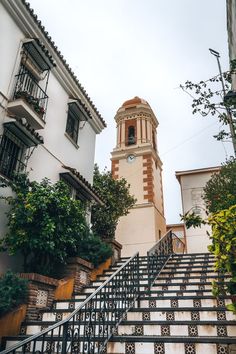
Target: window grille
12	155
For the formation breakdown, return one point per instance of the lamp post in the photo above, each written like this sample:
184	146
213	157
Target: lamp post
228	110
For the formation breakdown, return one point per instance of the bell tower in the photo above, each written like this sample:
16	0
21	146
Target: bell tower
136	159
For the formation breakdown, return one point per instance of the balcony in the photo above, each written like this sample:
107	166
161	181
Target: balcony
29	100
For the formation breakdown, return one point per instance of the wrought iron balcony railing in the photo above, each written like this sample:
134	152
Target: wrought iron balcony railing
28	89
90	326
159	254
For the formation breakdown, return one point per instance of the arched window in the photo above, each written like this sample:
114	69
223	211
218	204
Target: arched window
131	135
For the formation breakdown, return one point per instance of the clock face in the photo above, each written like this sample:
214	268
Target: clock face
131	158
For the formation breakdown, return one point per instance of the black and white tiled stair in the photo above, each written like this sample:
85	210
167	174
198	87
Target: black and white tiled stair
179	315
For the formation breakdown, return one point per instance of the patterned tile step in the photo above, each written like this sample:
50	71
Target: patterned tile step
178	329
192	279
174	293
159	346
150	328
182	302
180	314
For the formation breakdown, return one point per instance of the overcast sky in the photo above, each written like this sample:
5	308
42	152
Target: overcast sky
125	48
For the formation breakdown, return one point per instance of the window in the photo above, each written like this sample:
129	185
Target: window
76	114
131	135
72	126
12	155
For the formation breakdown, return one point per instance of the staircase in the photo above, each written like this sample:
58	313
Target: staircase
158	304
179	315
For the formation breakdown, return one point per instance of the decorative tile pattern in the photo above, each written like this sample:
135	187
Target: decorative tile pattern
201	287
195	316
124	316
80	316
159	348
23	330
174	303
41	298
40	316
50	346
71	305
222	349
28	347
182	287
160	294
43	328
58	316
170	316
103	350
221	316
164	287
185	280
192	331
222	331
83	277
115	330
54	306
190	348
152	303
197	303
220	302
138	330
146	316
129	348
165	330
180	293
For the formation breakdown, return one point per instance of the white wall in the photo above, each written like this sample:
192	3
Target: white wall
57	150
192	189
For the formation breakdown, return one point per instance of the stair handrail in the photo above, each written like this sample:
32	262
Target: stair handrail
179	240
158	256
88	328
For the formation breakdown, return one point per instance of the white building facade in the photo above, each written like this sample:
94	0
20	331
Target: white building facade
192	183
48	123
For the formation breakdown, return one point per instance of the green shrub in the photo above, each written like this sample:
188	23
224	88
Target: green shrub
43	224
94	250
13	292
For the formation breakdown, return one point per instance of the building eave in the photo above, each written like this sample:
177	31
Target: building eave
29	23
179	174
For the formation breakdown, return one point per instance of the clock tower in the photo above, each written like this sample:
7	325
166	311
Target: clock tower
136	159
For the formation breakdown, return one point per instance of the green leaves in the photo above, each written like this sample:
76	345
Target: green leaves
117	199
220	190
223	246
192	220
13	292
44	224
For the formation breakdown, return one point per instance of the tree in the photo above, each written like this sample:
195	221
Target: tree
44	223
210	99
117	203
220	190
220	199
219	193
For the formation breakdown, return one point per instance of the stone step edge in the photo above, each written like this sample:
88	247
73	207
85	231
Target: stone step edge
146	322
187	297
146	309
173	339
144	339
